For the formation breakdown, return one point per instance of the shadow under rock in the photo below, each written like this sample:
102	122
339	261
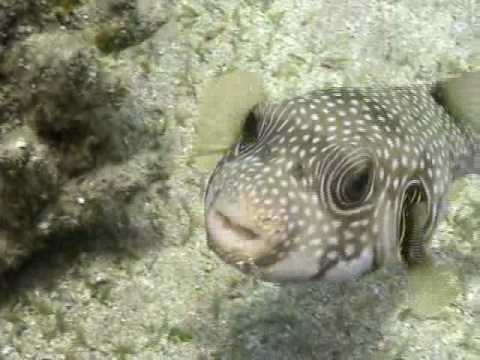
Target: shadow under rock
70	255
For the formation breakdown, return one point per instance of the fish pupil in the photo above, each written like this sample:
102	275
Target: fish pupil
356	186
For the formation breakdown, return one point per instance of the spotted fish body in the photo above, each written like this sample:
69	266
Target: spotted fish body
338	182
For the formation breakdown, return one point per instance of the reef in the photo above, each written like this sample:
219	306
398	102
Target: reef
73	152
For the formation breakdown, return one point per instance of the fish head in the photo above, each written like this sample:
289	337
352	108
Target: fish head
319	187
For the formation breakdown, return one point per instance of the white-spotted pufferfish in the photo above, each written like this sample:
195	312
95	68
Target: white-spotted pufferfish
339	182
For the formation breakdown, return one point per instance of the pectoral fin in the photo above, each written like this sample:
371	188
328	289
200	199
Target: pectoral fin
224	105
414	246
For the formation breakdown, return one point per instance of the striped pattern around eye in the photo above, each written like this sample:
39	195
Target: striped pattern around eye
267	118
347	179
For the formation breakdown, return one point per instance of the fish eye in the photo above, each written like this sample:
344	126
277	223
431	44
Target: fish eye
354	183
249	135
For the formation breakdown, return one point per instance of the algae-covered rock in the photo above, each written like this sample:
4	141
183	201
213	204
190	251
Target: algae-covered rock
18	19
127	24
28	183
64	116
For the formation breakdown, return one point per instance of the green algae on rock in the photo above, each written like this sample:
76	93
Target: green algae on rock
113	38
67	5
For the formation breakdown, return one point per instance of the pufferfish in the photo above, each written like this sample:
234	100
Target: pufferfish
339	182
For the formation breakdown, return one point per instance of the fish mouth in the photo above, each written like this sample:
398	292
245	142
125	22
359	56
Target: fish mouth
236	236
242	231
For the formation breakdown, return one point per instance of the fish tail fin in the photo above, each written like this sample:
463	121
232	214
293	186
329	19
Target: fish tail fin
460	96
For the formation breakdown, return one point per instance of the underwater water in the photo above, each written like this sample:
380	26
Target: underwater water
106	145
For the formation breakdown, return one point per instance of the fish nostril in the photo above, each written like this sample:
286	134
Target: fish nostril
243	231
